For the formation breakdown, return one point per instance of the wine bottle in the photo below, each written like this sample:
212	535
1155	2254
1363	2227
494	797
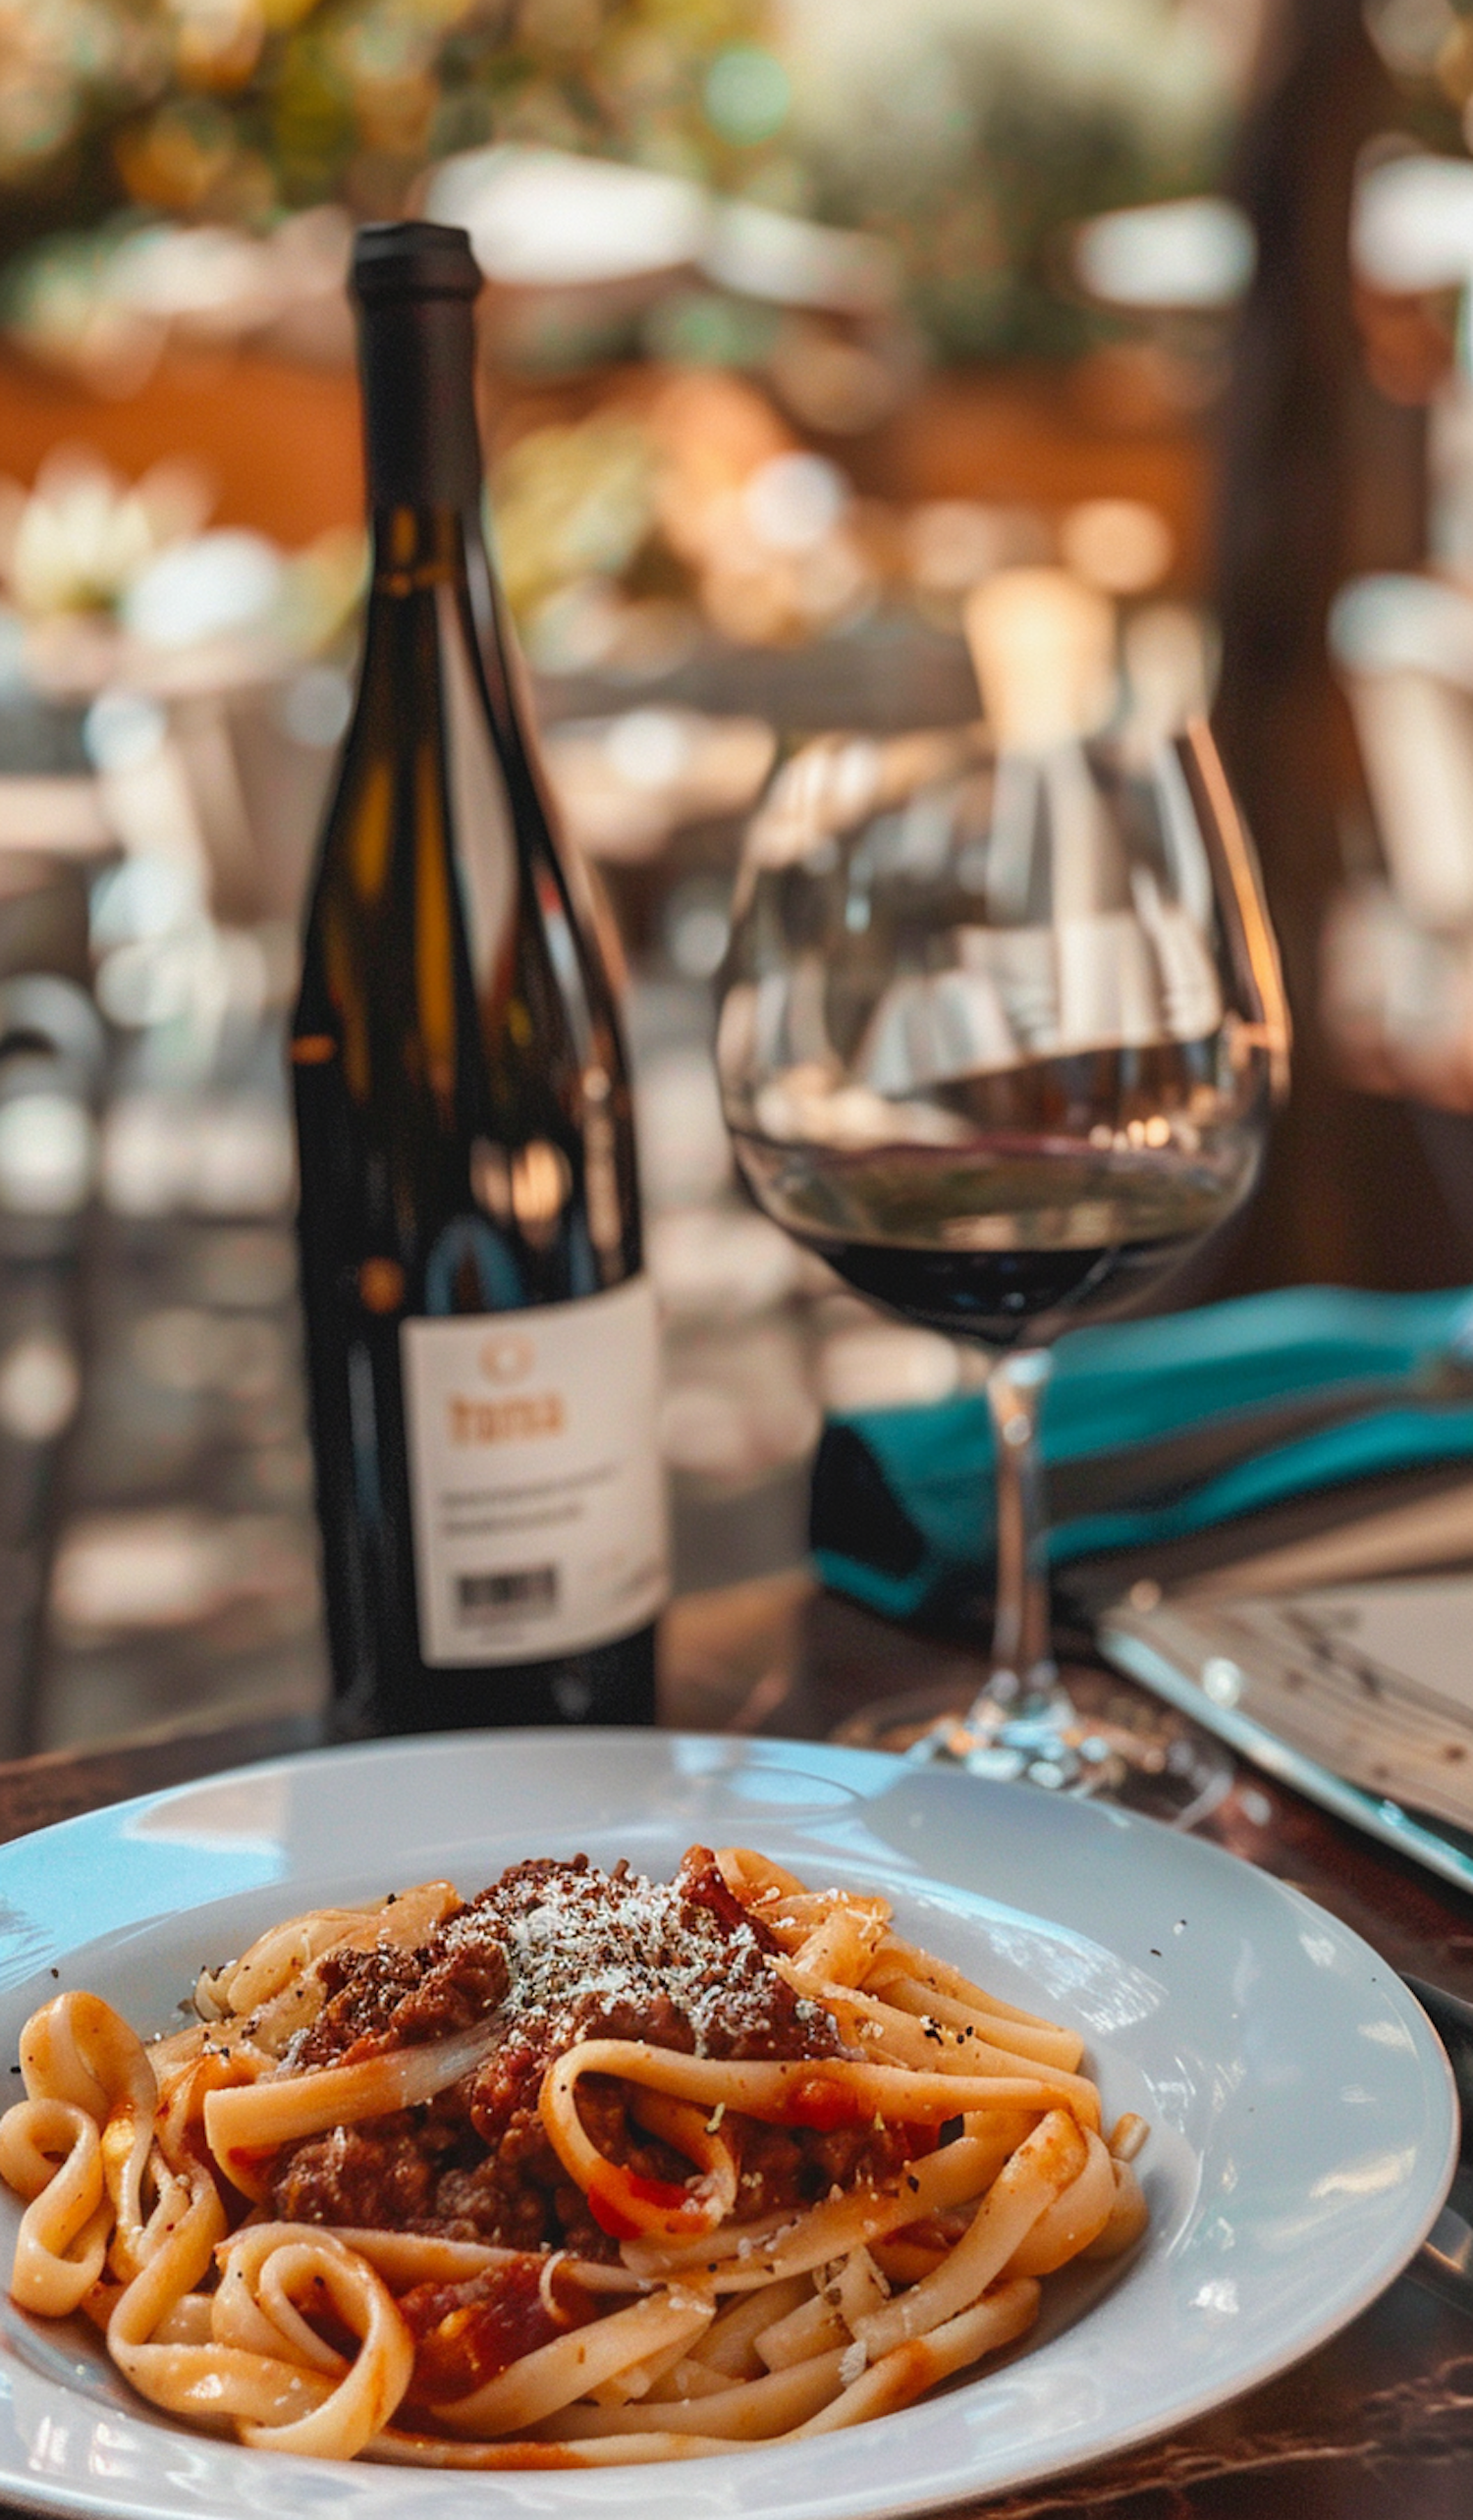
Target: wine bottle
481	1341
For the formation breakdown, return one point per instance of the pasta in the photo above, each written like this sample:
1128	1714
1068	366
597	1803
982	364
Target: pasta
584	2170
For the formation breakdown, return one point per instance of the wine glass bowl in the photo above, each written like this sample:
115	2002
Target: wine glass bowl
1000	1030
985	1123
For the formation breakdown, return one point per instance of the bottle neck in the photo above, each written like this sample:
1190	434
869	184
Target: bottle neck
418	547
423	447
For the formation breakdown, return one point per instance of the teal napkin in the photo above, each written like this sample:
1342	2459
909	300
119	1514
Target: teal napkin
1154	1431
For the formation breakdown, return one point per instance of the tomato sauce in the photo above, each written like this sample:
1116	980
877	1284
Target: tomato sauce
465	2333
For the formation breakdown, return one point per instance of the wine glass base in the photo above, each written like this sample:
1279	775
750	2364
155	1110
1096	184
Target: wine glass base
1099	1738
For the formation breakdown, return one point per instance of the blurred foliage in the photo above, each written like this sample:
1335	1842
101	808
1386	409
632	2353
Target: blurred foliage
1426	45
972	132
239	109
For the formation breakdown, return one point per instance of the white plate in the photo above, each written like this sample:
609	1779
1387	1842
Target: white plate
1303	2115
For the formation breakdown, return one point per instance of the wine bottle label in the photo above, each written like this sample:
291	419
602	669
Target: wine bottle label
538	1498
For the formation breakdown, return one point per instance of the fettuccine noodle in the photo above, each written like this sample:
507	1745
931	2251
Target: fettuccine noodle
584	2171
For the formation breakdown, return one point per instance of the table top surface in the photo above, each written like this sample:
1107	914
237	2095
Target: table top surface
1378	2422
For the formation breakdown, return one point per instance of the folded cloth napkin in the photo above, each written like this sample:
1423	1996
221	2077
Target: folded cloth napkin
1153	1431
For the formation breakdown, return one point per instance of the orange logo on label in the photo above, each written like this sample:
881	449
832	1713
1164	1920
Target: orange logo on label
507	1357
507	1422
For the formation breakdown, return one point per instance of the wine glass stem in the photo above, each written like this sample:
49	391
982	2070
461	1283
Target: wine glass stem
1021	1649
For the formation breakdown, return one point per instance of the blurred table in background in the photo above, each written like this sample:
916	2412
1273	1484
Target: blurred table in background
236	413
1013	435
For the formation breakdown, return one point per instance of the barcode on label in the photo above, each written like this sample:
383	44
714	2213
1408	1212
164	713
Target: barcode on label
516	1588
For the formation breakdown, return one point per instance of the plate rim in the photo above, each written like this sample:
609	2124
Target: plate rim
367	2484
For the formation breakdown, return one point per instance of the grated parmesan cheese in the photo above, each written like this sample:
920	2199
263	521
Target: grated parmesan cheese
585	1946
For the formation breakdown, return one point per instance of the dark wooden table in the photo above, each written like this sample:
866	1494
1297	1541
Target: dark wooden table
1377	2424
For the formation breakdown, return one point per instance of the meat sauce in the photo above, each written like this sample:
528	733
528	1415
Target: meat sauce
561	1953
558	1953
465	2333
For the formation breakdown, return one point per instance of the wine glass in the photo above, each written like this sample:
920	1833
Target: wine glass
1002	1027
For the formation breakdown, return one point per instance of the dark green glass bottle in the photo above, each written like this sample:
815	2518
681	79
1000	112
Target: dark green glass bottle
481	1339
